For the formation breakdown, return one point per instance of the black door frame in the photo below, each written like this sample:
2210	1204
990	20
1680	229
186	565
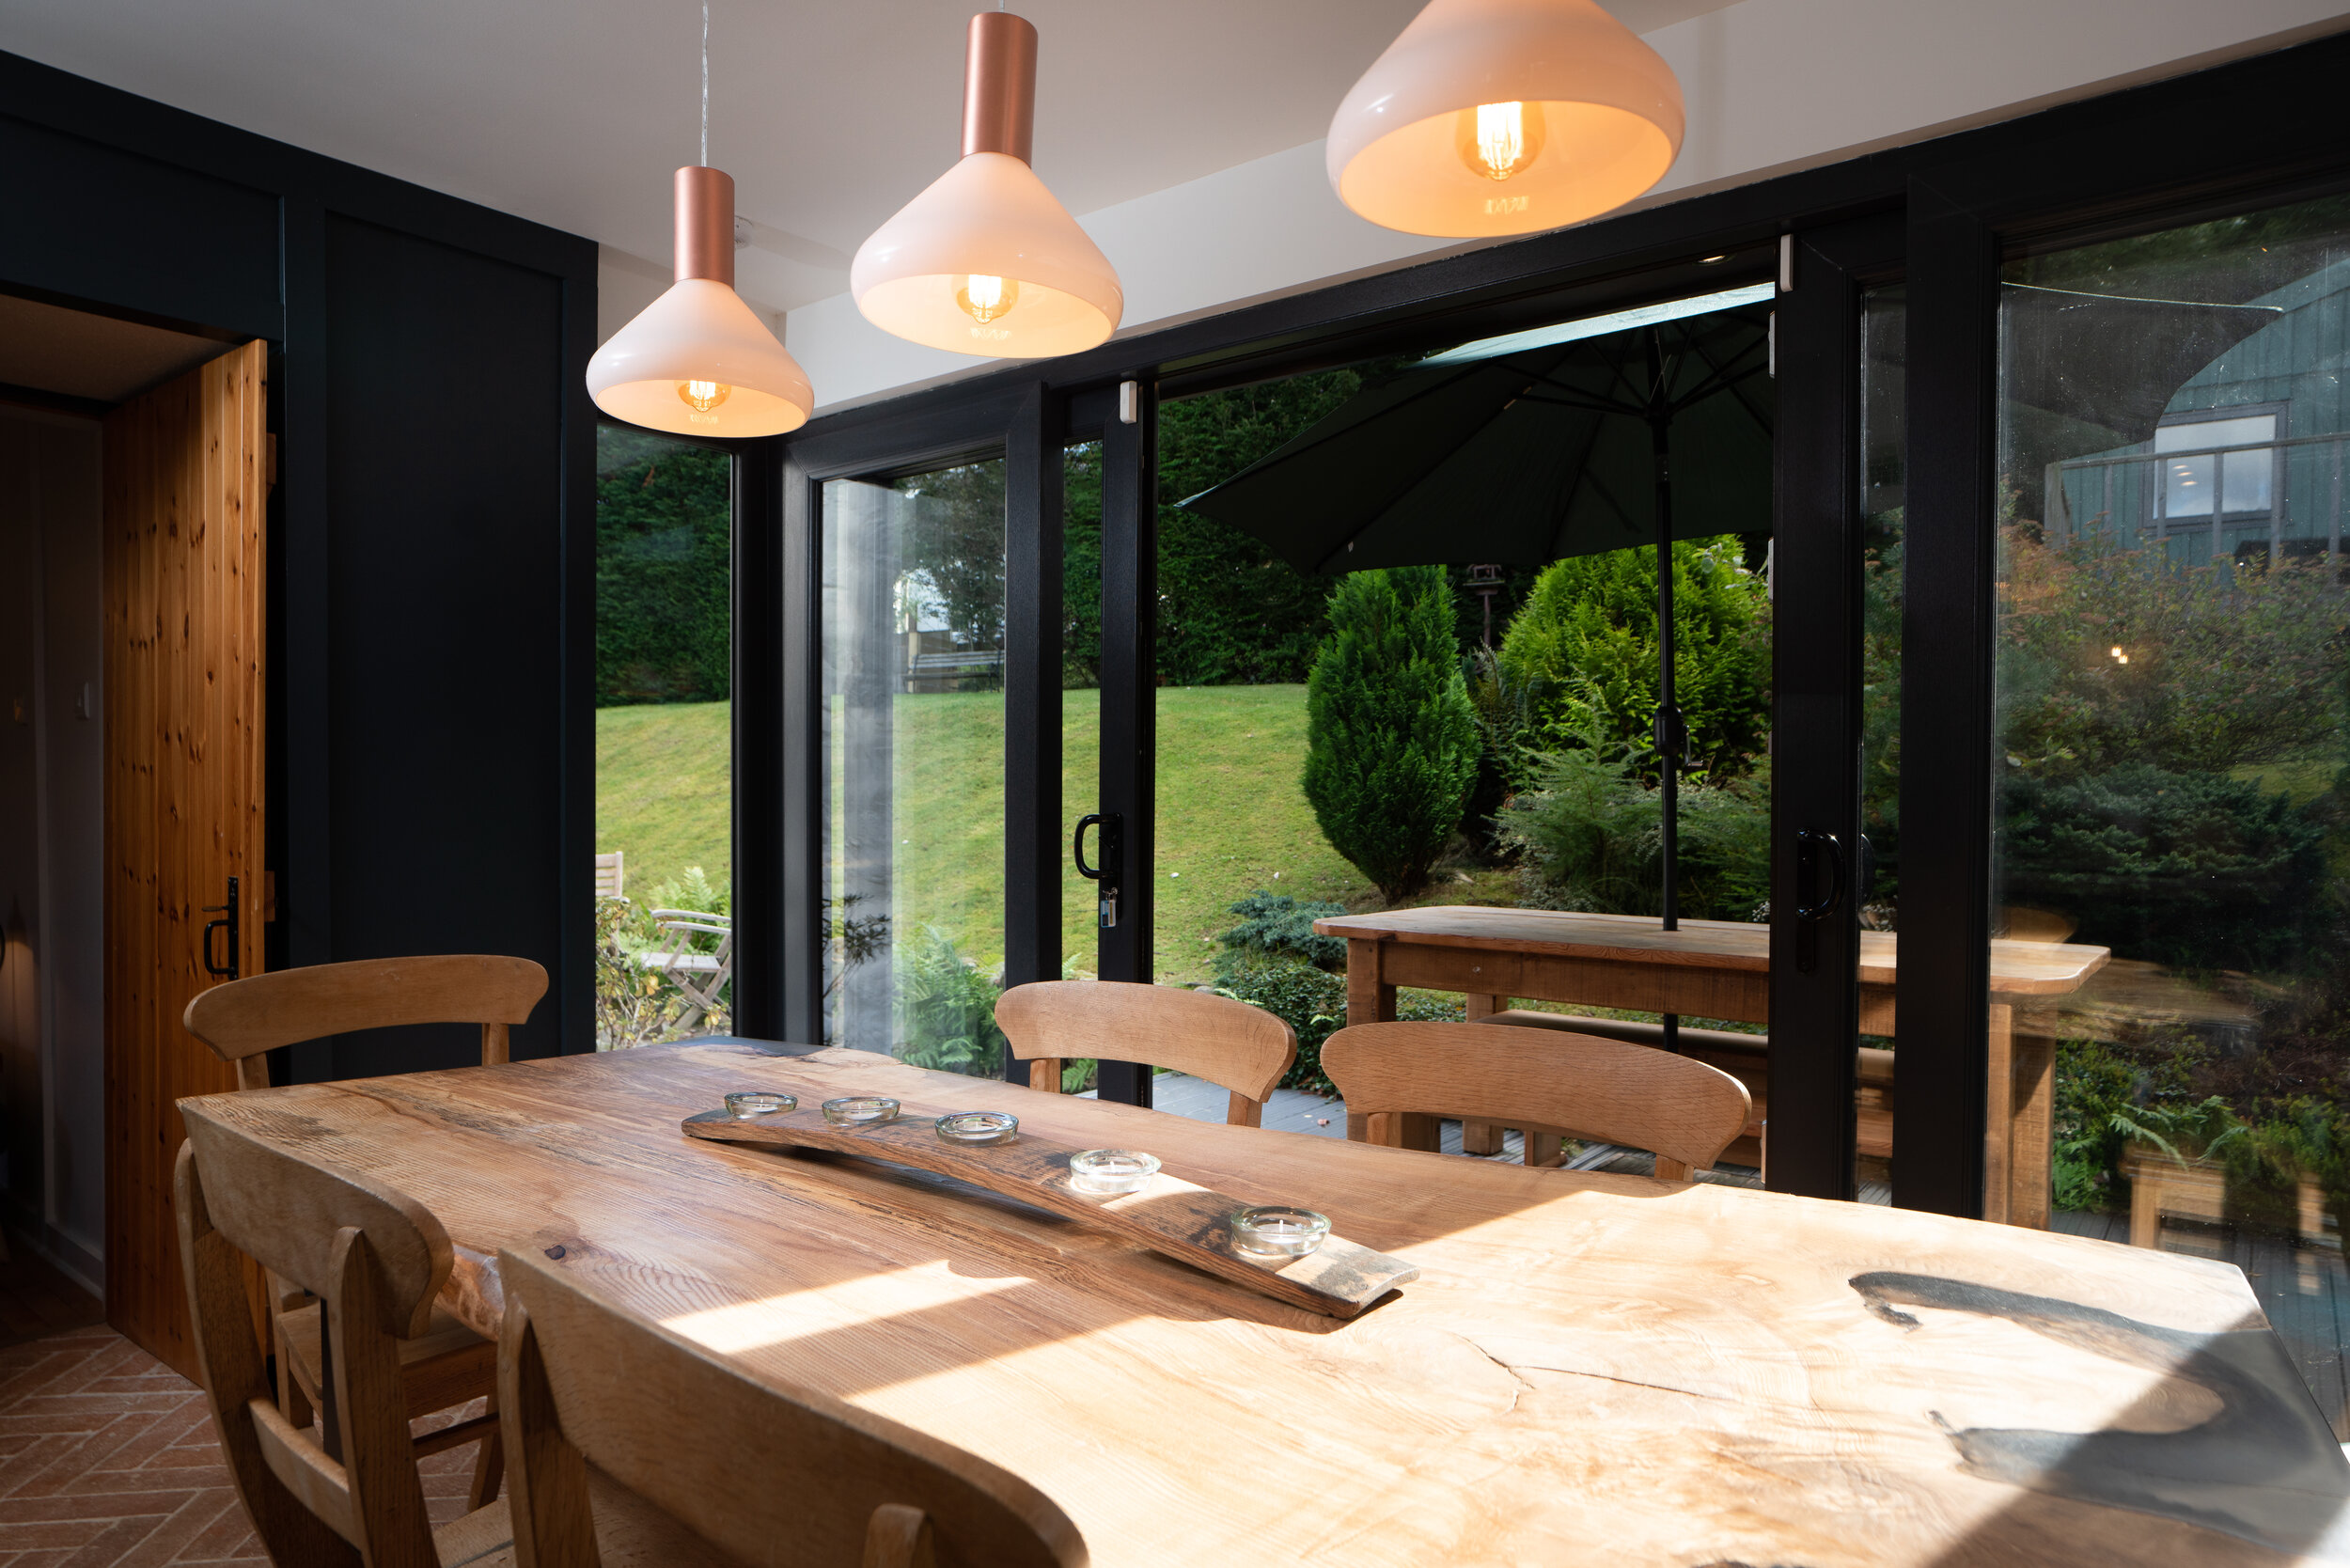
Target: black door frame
2225	138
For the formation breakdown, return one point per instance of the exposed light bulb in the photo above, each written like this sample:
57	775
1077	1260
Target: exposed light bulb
985	298
1498	140
703	396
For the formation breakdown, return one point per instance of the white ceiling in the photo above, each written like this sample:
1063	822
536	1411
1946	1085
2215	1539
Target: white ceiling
830	116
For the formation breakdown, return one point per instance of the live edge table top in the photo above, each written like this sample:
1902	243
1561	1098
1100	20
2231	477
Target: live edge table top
1588	1367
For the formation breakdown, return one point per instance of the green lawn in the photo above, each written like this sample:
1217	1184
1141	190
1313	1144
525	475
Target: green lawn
1232	817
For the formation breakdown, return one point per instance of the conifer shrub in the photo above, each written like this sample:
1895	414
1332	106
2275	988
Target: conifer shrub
1391	742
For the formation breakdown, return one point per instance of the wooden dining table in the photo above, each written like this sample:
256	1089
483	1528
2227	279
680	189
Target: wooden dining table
1586	1369
1717	969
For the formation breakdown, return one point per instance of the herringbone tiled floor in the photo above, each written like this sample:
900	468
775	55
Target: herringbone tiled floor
107	1459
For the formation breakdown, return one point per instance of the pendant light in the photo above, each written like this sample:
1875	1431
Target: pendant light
1505	117
698	361
985	261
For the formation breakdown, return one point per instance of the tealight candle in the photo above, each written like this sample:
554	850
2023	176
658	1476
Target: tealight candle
1278	1230
860	1110
978	1128
1109	1171
749	1106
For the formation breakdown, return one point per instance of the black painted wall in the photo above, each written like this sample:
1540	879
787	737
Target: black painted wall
431	725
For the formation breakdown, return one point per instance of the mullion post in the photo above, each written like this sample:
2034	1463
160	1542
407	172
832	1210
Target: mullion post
1032	699
1130	579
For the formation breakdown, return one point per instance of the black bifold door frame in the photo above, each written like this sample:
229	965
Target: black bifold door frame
1939	217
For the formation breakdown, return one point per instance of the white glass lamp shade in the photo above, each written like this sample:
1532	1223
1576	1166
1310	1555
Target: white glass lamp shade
698	361
1505	117
1044	287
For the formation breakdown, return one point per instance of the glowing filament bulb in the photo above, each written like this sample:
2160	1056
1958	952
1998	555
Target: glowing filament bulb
703	396
1501	138
985	298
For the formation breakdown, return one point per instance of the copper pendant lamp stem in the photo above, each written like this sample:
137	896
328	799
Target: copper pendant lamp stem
705	224
999	87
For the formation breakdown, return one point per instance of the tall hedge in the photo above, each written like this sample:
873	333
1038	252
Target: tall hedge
664	531
1391	742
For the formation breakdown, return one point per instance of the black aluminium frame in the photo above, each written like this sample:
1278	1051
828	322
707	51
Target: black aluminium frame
2225	138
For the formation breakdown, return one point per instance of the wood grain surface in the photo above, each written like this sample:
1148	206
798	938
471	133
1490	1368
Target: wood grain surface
1182	1219
185	564
1589	1369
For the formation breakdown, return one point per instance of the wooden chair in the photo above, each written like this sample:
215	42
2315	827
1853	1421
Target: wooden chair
593	1394
1568	1085
611	876
448	1364
1236	1046
698	974
344	1490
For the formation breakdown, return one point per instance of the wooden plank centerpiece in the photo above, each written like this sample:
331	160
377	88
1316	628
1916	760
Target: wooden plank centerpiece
1180	1219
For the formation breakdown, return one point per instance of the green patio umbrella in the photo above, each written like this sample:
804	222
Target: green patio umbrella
1631	429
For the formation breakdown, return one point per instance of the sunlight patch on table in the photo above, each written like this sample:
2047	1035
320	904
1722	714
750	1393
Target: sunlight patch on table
845	1304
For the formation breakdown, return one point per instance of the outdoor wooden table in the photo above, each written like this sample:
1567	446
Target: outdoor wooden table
1590	1368
1714	970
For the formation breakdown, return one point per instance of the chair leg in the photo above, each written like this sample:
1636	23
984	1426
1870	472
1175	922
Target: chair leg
898	1537
489	1466
1670	1170
1542	1149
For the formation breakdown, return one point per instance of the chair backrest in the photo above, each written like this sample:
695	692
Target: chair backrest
1242	1048
1579	1084
345	1487
766	1476
243	1018
611	876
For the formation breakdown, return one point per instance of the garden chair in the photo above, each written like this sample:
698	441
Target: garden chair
1233	1045
611	876
699	976
685	1442
1565	1085
451	1365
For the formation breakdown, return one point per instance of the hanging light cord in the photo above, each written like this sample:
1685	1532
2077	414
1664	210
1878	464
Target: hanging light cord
705	84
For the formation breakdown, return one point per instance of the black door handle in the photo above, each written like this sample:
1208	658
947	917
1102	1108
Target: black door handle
1810	843
228	922
1111	845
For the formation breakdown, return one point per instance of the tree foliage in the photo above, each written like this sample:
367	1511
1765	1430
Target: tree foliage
1586	649
1391	743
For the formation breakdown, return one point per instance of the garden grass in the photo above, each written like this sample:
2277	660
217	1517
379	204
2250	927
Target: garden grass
1232	817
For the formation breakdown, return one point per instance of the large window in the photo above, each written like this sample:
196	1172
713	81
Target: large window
2170	1017
664	789
914	737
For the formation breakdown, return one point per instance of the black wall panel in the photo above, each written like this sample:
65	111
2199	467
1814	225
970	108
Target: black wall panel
444	652
431	763
96	223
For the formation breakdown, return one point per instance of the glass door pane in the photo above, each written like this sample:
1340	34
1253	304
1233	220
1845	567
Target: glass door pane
913	734
1883	472
2169	1047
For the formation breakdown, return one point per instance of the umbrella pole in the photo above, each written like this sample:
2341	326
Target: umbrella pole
1669	731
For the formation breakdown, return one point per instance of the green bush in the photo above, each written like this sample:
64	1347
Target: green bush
2196	871
1585	647
1391	740
1591	833
1275	925
1313	1003
947	1009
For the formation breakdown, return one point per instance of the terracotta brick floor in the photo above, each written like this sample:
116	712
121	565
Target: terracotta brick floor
107	1457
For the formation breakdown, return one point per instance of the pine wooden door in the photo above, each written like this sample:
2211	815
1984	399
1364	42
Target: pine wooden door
186	492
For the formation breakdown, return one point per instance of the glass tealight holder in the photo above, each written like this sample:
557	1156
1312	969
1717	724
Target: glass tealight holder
1278	1230
860	1110
750	1105
977	1129
1110	1171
